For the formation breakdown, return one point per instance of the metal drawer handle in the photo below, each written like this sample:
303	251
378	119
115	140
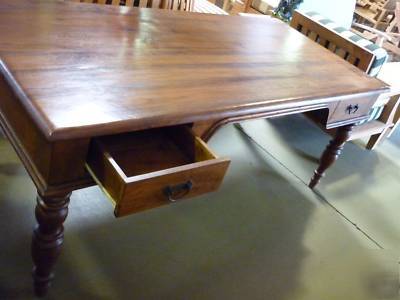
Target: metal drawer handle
352	109
179	190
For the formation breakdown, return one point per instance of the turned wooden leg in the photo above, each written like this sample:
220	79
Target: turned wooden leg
331	153
48	237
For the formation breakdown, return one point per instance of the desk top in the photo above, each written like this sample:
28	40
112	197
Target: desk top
84	70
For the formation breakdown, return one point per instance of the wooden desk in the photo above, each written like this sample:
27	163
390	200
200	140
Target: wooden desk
72	74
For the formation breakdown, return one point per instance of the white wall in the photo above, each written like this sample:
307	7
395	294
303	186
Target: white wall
339	11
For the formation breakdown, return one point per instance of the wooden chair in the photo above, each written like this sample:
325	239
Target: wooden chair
366	56
388	39
186	5
376	13
206	7
199	6
393	30
266	7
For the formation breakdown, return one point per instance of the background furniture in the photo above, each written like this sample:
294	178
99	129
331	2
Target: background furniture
206	7
199	6
389	74
340	11
376	13
363	54
164	4
388	38
263	6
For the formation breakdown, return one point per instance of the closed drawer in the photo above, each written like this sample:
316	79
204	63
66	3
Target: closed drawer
146	169
350	111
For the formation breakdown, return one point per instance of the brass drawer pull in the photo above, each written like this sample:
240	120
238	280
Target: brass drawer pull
179	190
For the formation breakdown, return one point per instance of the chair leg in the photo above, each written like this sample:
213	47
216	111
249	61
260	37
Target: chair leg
376	139
396	121
331	153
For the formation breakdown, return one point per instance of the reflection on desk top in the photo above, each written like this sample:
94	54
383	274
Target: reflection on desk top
84	70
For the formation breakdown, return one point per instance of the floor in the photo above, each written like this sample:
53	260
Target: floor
263	235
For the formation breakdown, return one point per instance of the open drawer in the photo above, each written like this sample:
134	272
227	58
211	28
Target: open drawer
146	169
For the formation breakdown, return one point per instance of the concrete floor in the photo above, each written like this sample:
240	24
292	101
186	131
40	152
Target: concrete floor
263	235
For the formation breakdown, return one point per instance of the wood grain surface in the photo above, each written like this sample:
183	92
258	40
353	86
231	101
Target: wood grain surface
84	70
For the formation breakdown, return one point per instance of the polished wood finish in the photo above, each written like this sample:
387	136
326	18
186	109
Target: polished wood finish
53	166
72	87
331	153
74	72
135	169
48	238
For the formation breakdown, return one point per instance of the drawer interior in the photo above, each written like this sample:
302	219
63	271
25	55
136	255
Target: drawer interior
152	150
145	169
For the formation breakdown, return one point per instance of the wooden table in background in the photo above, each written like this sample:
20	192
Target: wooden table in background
113	92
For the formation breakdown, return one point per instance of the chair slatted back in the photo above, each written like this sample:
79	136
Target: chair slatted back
331	40
186	5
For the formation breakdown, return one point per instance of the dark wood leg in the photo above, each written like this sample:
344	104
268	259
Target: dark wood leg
48	237
331	153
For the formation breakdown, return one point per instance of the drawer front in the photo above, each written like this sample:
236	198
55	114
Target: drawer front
171	186
350	111
164	176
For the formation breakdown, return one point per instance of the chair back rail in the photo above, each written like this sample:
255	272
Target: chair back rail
186	5
331	40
